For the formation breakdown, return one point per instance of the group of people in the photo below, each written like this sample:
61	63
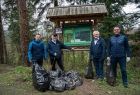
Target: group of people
116	51
38	50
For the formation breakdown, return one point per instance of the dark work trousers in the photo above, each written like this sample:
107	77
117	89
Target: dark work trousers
39	62
122	63
59	62
98	64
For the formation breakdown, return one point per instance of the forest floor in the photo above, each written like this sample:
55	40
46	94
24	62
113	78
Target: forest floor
17	81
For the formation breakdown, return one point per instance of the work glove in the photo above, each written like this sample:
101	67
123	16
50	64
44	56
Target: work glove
127	59
55	54
108	58
72	49
108	61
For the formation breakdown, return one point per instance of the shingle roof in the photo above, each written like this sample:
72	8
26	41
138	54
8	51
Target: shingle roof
77	10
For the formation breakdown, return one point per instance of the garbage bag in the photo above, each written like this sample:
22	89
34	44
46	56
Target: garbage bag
40	78
110	78
75	76
70	84
54	74
89	74
58	84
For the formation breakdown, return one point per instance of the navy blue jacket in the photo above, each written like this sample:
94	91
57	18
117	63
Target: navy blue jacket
118	46
98	50
37	50
56	48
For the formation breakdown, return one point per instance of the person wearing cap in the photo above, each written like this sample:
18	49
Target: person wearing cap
37	50
55	51
97	54
119	52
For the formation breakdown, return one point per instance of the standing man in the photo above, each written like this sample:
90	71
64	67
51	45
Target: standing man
37	50
119	52
55	51
97	54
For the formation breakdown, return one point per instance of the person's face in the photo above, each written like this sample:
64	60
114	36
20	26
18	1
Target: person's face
96	35
54	37
116	30
37	37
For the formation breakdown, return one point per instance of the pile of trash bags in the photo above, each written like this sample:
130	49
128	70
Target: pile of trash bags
55	80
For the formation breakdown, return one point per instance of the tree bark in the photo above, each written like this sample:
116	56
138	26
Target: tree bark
24	37
4	48
1	39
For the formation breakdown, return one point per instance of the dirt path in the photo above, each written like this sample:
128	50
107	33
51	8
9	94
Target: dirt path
5	68
90	88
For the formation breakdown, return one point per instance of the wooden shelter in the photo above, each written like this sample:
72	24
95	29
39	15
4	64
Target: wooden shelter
77	22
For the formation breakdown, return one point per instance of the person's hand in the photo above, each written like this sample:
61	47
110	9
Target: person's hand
72	49
55	54
127	59
30	60
108	58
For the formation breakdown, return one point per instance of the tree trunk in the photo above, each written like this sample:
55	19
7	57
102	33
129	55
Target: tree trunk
4	48
1	39
23	30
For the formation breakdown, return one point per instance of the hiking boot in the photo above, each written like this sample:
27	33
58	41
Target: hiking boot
125	85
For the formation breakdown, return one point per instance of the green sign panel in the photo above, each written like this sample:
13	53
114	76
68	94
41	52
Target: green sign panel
77	35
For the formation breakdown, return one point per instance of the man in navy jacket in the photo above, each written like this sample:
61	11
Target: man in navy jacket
55	51
119	52
37	50
97	54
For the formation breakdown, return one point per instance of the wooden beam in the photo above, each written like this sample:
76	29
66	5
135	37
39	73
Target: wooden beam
76	17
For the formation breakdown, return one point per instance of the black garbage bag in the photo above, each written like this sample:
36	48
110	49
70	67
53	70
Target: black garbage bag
40	77
70	84
54	74
58	84
75	76
110	78
89	74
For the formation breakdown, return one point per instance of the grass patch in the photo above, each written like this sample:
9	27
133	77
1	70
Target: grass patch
18	74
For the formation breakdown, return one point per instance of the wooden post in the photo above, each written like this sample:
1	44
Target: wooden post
95	24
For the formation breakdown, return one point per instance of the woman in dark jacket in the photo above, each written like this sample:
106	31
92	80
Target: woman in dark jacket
37	50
